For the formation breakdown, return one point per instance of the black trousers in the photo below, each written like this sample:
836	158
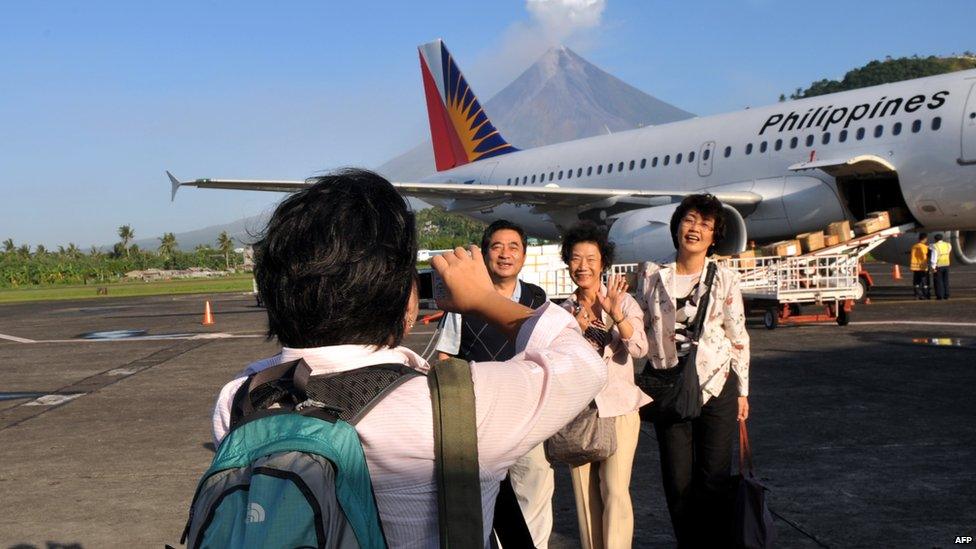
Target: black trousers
696	462
921	284
941	282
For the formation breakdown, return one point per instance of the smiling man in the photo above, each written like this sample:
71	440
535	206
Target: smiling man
524	506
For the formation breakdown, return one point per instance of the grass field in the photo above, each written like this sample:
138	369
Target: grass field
233	283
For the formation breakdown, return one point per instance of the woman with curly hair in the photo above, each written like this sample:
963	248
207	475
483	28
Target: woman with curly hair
612	321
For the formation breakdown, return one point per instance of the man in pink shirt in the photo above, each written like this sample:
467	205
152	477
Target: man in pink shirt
336	270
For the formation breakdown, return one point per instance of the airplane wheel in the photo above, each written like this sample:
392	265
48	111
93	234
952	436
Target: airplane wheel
861	290
770	319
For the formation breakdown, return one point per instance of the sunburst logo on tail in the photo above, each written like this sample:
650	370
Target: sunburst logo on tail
460	129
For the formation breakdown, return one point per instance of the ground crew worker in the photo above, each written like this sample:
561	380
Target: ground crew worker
944	249
921	280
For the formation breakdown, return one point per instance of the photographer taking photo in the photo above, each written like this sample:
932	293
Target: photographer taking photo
336	268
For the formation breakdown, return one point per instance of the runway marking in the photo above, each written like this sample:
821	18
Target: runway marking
121	372
52	400
914	323
16	339
218	335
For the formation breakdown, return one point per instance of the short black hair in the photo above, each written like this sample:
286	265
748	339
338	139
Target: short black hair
938	237
587	231
500	225
922	236
708	207
336	263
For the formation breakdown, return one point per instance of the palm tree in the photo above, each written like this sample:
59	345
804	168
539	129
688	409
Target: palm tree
226	245
94	251
24	250
9	247
126	234
73	250
40	250
167	244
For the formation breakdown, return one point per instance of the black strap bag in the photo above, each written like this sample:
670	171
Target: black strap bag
676	391
753	526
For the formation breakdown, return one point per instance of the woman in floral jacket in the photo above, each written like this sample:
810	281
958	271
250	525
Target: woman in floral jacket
696	454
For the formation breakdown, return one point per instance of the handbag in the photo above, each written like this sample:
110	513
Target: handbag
753	527
585	439
676	392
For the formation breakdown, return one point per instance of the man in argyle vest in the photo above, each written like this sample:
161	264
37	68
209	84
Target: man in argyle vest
523	511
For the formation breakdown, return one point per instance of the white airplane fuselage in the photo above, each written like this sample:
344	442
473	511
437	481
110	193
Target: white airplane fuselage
933	156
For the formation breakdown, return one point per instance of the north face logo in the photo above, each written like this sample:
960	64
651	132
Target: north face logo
255	513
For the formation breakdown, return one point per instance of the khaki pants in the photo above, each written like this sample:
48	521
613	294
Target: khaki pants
532	480
602	490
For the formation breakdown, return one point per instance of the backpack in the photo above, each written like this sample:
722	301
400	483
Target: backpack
291	472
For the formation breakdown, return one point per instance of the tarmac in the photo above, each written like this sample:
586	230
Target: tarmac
865	434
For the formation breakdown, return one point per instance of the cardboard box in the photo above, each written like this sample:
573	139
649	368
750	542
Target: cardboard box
831	240
883	219
747	259
811	242
783	248
842	229
869	226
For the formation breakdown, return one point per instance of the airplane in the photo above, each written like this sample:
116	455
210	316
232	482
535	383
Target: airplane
780	170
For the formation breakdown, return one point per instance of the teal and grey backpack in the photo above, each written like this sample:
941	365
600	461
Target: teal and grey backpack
291	472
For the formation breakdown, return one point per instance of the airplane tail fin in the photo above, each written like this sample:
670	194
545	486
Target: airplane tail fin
459	128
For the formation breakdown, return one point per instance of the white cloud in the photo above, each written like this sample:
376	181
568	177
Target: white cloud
561	19
574	23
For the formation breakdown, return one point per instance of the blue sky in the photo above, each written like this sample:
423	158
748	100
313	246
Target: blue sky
97	99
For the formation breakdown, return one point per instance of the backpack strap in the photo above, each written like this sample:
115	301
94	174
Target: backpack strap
456	455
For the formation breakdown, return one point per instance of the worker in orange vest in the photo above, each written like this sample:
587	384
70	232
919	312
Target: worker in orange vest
921	281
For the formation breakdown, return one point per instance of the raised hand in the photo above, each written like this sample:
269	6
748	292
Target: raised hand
613	302
466	284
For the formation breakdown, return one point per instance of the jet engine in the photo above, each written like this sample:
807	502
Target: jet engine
897	250
645	234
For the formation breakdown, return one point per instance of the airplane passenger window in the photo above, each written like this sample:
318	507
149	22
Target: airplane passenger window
826	138
762	147
793	142
589	171
610	168
677	158
560	175
842	136
878	130
654	162
749	148
706	154
936	123
631	165
579	172
778	145
569	174
691	156
860	134
896	129
533	178
916	126
508	181
620	167
810	140
599	169
667	159
643	163
728	152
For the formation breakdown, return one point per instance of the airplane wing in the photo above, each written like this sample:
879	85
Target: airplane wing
480	196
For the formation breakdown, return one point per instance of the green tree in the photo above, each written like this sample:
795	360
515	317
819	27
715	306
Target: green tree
887	71
226	245
8	246
72	250
24	250
126	234
40	250
167	245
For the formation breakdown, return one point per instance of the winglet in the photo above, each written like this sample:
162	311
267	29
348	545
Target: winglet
176	186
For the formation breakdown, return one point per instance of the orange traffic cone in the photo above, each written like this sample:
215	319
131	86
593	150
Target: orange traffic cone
896	273
208	318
